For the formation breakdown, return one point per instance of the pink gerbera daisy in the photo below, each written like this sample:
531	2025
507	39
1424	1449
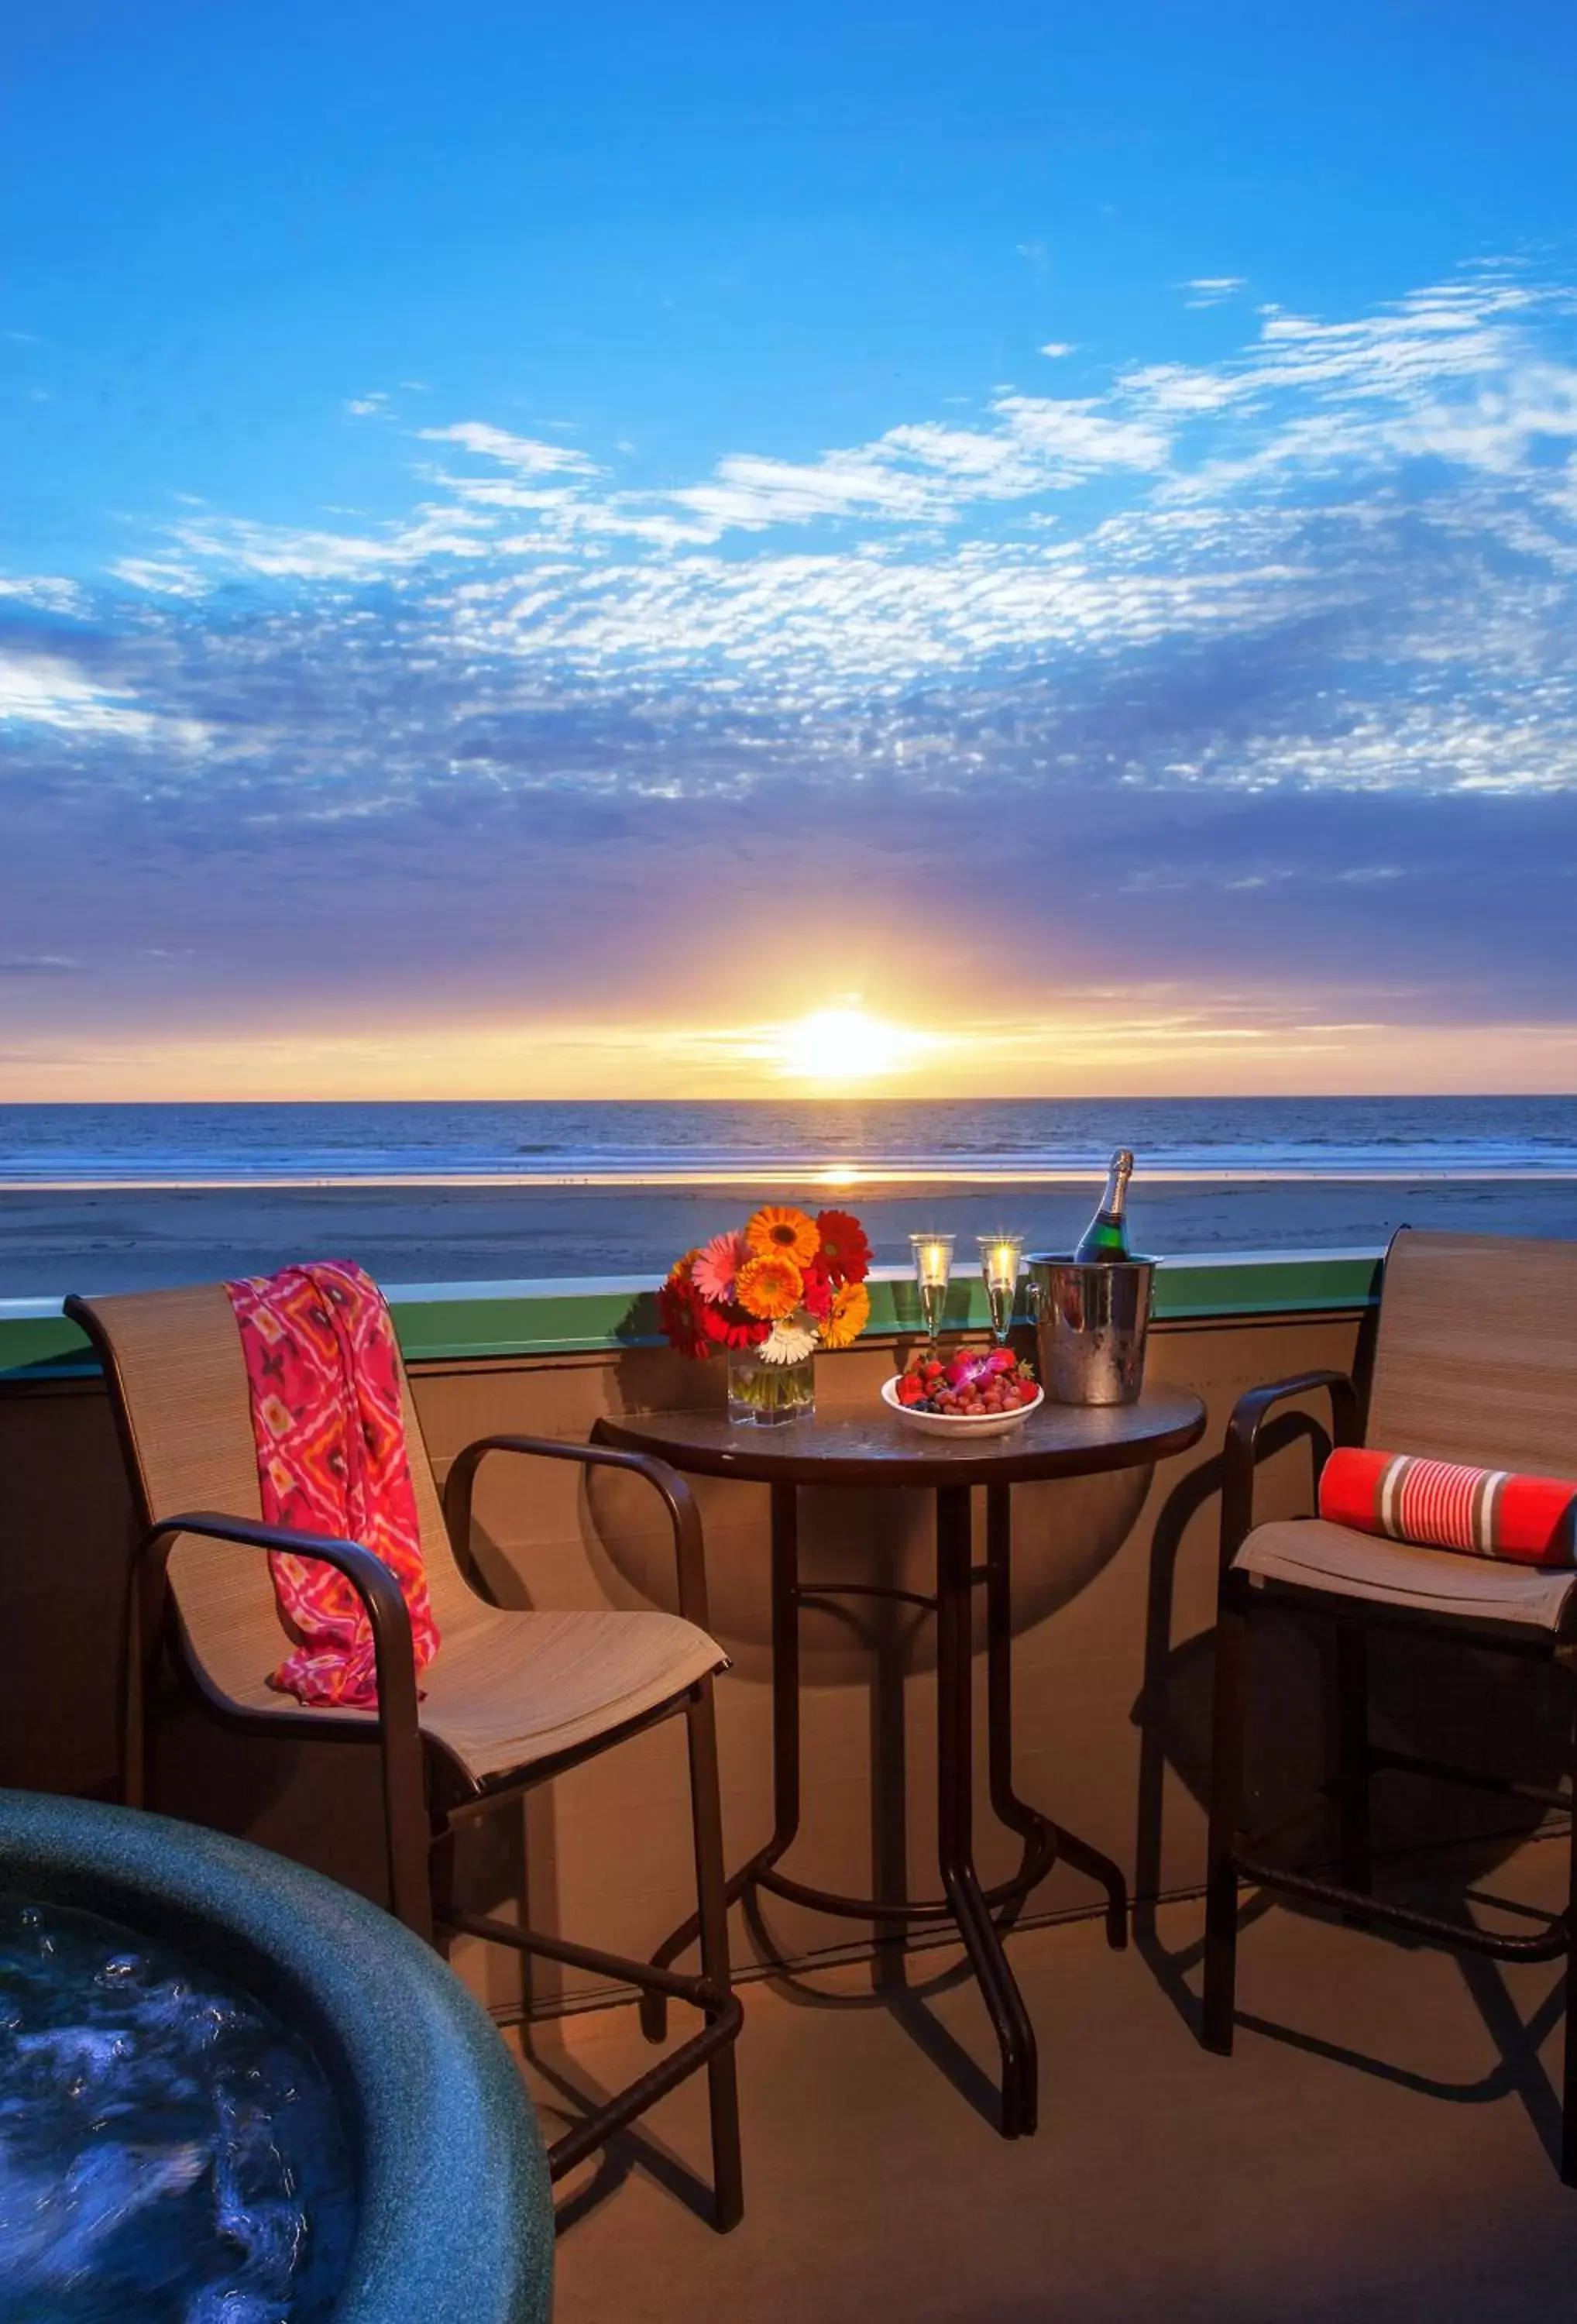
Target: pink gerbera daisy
716	1266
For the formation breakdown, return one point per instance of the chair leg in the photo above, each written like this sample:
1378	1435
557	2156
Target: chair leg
140	1635
1569	2076
712	1910
1226	1787
441	1883
1352	1769
408	1832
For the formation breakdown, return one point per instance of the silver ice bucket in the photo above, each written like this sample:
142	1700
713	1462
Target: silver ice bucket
1090	1327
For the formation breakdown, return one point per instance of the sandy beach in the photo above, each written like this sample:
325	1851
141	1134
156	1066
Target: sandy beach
54	1241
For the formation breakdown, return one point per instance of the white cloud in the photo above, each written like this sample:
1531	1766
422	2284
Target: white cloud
1447	373
1243	597
750	490
1213	290
44	689
620	517
1055	348
1442	373
1076	438
161	575
923	472
49	591
281	552
525	454
1175	390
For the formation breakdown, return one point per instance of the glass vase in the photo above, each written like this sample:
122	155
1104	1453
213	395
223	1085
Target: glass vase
762	1395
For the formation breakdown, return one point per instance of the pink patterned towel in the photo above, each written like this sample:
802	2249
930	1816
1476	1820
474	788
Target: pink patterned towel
330	1432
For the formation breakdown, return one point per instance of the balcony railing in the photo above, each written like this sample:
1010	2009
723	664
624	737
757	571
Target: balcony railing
450	1322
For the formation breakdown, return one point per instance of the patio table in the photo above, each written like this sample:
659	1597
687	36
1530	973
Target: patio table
871	1448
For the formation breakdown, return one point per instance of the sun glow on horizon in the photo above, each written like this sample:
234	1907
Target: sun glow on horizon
844	1044
1130	1043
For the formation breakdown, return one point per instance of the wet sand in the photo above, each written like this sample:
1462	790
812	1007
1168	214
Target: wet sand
53	1241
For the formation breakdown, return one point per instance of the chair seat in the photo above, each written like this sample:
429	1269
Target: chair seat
511	1689
1312	1553
507	1690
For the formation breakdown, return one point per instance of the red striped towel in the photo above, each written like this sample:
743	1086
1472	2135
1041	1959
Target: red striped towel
1442	1505
329	1428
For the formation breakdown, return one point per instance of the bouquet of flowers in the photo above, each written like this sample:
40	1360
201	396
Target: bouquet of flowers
786	1285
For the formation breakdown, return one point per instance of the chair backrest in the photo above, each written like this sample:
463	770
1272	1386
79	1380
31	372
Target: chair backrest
1476	1354
179	1378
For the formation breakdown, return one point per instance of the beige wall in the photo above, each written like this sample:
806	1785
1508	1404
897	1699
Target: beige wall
1113	1597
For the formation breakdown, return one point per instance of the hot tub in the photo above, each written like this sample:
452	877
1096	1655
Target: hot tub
454	2219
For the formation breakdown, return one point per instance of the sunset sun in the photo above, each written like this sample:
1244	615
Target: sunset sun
844	1044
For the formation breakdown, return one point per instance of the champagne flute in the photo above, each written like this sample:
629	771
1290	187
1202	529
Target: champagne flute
933	1268
1000	1258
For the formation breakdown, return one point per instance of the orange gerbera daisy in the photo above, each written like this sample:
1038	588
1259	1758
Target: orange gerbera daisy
851	1313
768	1287
787	1232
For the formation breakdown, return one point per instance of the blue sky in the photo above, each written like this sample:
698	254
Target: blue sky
533	553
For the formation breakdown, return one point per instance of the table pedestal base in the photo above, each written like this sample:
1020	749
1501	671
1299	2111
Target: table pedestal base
980	1914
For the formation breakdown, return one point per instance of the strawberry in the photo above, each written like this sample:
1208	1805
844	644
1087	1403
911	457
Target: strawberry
910	1389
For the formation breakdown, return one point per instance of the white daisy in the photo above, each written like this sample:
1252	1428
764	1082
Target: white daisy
791	1339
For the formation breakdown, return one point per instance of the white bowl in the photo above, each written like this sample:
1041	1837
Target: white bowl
958	1424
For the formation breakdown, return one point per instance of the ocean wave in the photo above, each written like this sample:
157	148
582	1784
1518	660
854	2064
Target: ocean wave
782	1141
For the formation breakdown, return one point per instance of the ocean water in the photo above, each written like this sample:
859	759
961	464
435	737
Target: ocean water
891	1140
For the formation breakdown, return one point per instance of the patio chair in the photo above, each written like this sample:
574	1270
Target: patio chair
510	1700
1475	1360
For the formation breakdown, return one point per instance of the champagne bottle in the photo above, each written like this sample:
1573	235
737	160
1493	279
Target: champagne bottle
1105	1239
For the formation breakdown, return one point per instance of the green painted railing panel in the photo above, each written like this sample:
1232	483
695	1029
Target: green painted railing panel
456	1320
526	1323
1252	1284
44	1343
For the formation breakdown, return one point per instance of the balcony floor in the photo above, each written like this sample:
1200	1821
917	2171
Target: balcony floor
1380	2145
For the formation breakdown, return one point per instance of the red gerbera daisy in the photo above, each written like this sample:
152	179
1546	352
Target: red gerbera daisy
680	1310
731	1327
844	1251
817	1298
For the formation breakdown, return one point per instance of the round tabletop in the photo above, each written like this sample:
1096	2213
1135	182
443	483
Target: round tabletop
867	1444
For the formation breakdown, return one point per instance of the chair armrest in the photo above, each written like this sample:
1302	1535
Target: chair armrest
398	1728
684	1516
1240	1455
366	1572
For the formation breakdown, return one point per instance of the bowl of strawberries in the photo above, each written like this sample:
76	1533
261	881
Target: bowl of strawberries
980	1392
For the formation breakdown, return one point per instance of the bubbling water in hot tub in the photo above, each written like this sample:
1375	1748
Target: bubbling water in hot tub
168	2151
